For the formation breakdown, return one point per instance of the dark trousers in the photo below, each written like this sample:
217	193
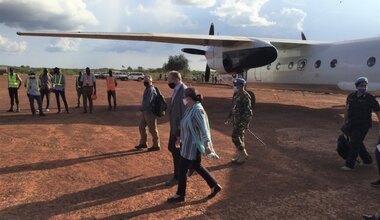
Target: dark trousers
39	102
79	94
113	94
13	94
62	93
184	165
377	153
357	147
87	92
175	154
45	92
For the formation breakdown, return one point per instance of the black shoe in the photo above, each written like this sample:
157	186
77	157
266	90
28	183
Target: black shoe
369	217
10	110
141	146
376	183
176	199
214	191
171	182
154	148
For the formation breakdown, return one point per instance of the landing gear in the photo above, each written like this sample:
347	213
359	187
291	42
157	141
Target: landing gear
244	75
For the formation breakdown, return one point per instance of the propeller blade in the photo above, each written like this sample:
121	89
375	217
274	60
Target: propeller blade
303	36
194	51
211	31
207	73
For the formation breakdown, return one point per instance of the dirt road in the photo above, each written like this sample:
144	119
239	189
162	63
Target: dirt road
84	166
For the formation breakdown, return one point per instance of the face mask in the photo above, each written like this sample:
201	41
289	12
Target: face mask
185	101
235	89
171	85
146	84
362	90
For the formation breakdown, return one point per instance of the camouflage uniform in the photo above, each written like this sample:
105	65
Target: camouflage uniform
242	114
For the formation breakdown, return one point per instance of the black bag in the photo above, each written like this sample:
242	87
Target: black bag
159	105
343	146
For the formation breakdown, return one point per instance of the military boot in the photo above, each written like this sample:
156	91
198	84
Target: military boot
243	156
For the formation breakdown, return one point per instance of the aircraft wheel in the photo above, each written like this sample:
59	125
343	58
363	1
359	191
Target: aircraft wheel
253	98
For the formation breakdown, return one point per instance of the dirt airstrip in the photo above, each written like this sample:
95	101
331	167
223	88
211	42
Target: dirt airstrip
84	166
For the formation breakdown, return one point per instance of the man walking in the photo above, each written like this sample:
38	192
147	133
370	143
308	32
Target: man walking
241	115
59	84
89	87
14	83
46	86
148	118
176	109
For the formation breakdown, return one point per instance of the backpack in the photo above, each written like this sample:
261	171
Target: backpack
343	146
159	105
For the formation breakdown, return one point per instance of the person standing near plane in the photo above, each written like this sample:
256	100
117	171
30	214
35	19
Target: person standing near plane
46	85
14	83
78	86
176	109
89	88
148	118
111	90
357	120
241	116
32	86
59	84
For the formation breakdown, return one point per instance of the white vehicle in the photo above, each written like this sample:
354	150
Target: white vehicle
121	76
136	76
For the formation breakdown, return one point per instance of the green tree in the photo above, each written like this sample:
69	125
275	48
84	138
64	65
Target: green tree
177	62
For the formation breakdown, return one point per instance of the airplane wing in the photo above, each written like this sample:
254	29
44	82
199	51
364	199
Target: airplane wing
284	44
192	39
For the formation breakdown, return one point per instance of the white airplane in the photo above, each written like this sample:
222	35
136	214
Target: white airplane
304	63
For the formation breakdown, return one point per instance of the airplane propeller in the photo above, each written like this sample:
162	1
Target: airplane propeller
201	52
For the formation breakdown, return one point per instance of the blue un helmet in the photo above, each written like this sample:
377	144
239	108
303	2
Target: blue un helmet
361	80
239	81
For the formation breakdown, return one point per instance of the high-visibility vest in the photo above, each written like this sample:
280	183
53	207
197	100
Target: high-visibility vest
59	81
12	81
111	83
27	85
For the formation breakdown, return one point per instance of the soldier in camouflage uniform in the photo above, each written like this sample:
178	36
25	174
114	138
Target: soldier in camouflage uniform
241	116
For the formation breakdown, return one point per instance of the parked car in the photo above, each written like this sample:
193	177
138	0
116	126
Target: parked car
136	76
121	76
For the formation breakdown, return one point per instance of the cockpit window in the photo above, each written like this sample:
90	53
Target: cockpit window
333	63
371	61
317	64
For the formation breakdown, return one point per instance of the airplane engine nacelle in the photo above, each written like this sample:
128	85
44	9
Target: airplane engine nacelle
244	59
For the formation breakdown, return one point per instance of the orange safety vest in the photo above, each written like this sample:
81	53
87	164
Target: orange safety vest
111	83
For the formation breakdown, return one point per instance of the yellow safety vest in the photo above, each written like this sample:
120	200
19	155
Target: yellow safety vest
12	81
27	85
59	82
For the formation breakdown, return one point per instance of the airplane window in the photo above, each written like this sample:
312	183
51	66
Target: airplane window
278	66
333	63
290	66
301	64
371	61
268	67
317	64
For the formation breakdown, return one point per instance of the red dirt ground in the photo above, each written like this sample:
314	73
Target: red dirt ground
84	166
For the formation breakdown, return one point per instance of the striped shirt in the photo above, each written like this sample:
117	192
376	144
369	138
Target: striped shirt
199	120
